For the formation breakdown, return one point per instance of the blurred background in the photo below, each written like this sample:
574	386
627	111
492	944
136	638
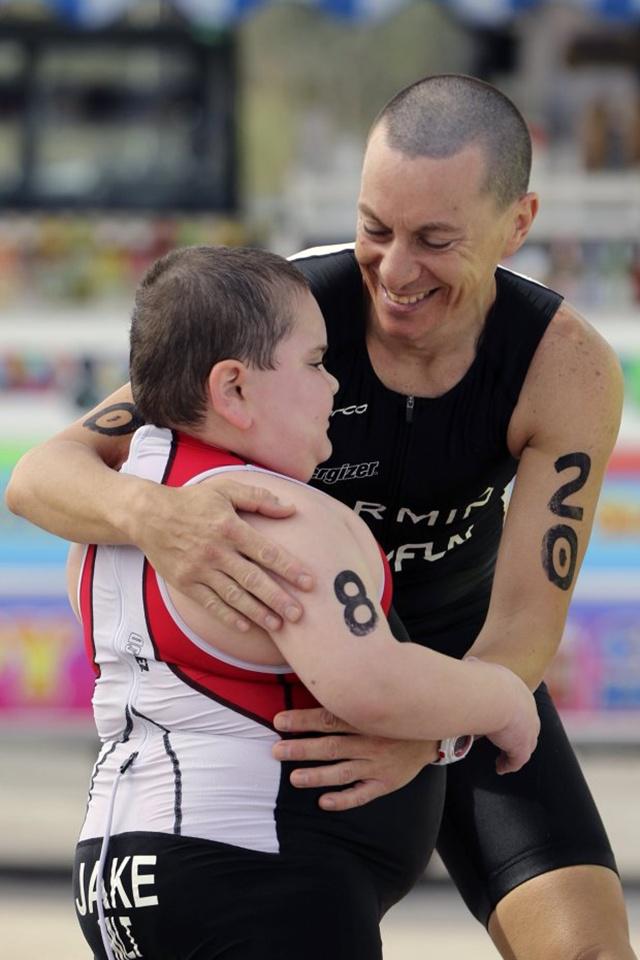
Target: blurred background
128	127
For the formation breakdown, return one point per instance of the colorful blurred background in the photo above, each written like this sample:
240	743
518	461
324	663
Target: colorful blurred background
128	127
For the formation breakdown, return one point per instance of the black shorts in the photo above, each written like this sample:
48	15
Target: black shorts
498	831
178	898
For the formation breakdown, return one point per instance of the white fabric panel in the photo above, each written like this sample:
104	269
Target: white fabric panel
228	785
211	761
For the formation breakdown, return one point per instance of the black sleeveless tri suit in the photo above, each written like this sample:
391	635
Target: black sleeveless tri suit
428	476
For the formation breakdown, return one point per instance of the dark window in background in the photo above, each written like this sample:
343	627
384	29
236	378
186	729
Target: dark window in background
613	45
121	119
496	52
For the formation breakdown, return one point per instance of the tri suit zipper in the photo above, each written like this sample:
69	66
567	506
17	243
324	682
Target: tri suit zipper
399	460
411	402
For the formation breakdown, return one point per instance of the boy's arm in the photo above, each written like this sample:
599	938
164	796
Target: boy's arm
345	653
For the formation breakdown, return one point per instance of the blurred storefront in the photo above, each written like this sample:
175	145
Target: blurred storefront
124	128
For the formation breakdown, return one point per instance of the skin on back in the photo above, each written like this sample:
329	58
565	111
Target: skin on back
256	645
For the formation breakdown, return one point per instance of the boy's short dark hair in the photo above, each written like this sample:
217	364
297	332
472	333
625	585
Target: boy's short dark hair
197	306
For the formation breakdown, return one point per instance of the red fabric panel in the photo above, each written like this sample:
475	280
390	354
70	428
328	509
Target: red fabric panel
86	606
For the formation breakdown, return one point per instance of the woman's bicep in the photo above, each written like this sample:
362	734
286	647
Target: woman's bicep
65	484
107	429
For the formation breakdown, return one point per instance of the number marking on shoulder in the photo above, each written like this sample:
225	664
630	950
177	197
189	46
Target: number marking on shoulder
352	595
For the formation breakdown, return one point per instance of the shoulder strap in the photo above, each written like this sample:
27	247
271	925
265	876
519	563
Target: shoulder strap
518	320
336	283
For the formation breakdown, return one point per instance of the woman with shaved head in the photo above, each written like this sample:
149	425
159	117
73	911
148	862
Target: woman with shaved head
456	375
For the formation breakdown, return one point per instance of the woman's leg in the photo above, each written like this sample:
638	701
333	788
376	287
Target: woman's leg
529	851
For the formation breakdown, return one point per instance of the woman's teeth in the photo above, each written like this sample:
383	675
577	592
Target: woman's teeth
415	298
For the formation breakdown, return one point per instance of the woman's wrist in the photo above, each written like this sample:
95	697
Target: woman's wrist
137	509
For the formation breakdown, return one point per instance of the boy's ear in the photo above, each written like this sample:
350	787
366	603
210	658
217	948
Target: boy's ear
227	390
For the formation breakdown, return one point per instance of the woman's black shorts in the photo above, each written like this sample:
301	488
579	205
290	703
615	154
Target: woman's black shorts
498	831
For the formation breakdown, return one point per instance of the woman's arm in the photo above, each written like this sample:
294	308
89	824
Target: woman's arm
70	486
563	431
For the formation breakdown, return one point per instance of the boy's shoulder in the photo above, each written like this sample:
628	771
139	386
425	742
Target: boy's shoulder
317	514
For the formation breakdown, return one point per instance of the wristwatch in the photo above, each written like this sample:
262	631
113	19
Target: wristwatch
453	749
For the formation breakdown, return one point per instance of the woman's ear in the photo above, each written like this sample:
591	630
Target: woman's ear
524	213
227	391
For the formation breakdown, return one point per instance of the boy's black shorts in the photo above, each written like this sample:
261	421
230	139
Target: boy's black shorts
178	898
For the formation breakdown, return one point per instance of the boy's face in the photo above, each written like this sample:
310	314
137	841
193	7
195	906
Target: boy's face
293	402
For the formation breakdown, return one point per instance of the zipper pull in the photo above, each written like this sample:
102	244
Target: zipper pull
409	409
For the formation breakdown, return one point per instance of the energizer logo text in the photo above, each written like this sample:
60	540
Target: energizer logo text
346	471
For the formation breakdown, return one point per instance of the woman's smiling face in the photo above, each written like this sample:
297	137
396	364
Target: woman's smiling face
429	237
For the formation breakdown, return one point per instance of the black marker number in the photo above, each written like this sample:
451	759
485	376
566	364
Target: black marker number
560	554
115	421
359	613
560	543
557	505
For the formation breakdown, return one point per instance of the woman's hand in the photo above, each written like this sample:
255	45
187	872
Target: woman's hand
195	540
374	766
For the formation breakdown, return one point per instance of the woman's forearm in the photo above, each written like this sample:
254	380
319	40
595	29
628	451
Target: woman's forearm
64	487
530	667
188	534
